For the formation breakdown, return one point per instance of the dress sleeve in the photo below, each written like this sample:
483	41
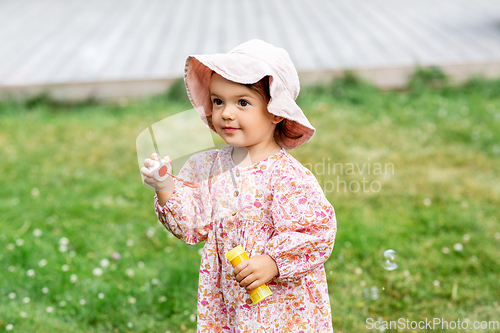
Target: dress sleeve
304	222
187	214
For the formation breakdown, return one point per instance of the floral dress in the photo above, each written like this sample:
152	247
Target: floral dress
274	207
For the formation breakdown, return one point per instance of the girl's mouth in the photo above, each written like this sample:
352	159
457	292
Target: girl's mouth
230	129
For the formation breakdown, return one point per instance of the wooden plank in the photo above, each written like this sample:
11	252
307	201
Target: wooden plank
294	44
160	63
367	54
399	37
192	38
485	24
14	17
118	56
455	25
232	29
381	39
17	56
212	34
317	45
75	60
259	10
143	45
8	9
419	34
435	32
366	34
253	27
342	47
98	49
159	40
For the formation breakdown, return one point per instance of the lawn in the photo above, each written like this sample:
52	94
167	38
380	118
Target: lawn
415	171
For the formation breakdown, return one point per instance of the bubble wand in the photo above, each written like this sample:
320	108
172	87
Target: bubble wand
161	170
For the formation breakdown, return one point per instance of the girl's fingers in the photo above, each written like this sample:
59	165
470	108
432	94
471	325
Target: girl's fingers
241	266
147	173
244	274
254	285
249	282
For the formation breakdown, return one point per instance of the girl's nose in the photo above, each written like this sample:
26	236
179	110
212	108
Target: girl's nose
227	113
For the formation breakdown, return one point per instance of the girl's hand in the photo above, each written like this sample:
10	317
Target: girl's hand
256	271
165	185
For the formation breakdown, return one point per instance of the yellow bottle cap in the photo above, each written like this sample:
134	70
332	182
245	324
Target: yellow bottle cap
238	250
260	293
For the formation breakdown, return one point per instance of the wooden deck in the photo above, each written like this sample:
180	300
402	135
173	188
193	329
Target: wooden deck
116	48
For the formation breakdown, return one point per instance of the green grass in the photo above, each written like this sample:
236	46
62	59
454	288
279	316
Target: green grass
70	170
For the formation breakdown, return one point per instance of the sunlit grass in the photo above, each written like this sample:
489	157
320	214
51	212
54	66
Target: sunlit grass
70	171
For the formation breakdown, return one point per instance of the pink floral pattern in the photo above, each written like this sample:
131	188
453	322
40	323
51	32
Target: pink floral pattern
279	209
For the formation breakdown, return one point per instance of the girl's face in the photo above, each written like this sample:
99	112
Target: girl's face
240	114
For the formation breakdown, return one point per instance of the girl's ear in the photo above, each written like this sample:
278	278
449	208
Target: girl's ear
277	119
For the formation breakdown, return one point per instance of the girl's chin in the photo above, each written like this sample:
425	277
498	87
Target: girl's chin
233	142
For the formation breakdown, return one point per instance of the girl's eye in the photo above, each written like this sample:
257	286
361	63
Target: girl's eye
217	101
243	102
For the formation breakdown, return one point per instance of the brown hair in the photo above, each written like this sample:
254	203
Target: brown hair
261	87
284	129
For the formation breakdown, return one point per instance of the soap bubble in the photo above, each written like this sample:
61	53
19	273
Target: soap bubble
389	260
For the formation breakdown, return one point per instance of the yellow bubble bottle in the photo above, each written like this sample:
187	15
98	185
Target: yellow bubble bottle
237	255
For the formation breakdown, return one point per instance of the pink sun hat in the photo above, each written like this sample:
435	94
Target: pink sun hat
246	64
